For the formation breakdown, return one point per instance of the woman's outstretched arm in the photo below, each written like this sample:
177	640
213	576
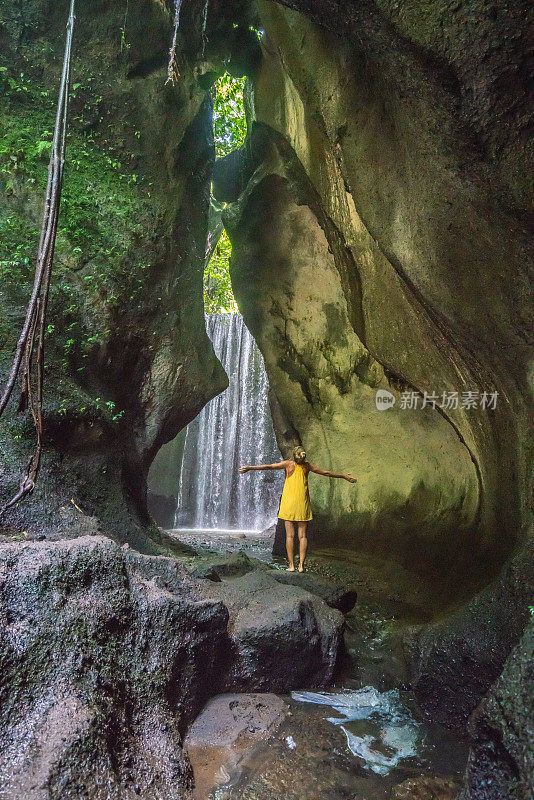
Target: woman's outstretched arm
280	465
327	474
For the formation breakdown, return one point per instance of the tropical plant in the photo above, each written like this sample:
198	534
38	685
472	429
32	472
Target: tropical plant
218	294
229	123
230	129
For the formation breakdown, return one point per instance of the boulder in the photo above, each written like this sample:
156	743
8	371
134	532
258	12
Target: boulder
281	636
105	655
335	596
216	567
221	739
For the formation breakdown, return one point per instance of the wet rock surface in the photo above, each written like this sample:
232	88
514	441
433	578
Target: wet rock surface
214	568
233	564
223	736
99	647
272	613
454	661
426	789
501	729
335	596
375	656
351	741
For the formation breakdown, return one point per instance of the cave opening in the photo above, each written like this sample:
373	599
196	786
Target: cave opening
193	482
229	133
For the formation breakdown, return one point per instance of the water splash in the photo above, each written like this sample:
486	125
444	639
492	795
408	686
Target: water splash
235	428
291	742
392	734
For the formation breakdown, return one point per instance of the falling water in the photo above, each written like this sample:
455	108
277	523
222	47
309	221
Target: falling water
235	428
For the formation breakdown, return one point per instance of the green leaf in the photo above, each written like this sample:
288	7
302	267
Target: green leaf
229	122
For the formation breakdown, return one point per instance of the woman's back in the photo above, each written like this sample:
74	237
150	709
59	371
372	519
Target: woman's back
295	501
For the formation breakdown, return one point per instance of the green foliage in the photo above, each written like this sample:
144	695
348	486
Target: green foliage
229	123
105	209
230	130
218	295
102	256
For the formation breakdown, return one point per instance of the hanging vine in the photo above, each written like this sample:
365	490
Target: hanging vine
31	393
173	72
172	69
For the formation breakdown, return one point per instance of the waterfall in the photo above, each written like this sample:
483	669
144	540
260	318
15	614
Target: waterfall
235	428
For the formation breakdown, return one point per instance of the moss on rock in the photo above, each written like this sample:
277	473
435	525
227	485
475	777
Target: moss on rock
128	360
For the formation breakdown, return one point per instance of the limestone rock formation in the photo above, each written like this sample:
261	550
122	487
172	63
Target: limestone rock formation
226	732
341	597
379	204
105	656
455	660
269	624
270	612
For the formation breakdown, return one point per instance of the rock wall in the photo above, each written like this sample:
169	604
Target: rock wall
377	218
501	760
128	359
454	661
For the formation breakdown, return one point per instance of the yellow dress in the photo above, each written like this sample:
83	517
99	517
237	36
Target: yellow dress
295	502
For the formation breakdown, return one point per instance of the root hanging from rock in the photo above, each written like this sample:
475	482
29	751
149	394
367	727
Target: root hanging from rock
36	312
172	71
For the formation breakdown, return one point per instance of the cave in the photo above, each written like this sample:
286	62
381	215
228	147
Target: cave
375	258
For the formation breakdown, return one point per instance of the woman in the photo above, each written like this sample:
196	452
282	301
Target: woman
295	502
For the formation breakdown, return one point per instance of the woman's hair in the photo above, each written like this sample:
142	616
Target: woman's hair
299	455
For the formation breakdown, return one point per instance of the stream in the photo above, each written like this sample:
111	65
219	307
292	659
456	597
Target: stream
362	738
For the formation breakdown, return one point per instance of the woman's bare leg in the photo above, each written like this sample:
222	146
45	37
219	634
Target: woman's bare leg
303	544
290	536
